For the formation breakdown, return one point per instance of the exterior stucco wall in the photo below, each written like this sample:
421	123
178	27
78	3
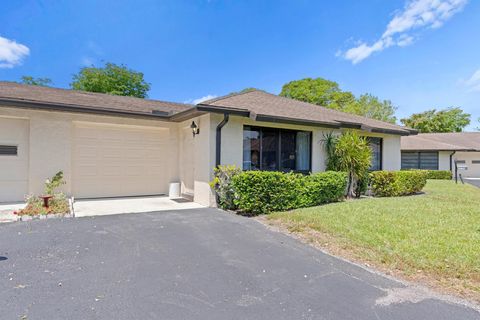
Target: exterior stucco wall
197	159
51	143
190	159
392	159
232	143
444	160
473	169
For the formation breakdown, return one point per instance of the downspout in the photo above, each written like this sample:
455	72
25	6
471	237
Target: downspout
218	147
451	158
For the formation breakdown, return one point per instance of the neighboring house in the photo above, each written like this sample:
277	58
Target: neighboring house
440	151
110	146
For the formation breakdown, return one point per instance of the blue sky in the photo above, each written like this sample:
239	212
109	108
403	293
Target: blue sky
419	54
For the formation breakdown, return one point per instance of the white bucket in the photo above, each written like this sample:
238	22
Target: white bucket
174	190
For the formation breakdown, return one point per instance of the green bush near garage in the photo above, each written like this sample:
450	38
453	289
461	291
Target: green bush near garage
397	183
263	192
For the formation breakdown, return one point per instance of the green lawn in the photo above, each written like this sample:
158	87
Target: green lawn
435	235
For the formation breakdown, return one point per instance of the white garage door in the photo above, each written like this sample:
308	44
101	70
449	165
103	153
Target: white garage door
471	160
112	161
13	159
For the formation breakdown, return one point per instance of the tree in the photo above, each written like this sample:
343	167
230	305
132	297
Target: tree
318	91
353	155
112	79
369	106
44	82
448	120
328	94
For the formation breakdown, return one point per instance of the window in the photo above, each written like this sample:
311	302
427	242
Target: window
8	150
276	149
475	161
419	160
376	146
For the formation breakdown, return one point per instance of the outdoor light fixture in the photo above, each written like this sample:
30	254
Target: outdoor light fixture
195	128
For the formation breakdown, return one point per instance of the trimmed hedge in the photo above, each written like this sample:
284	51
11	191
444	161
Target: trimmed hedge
261	192
438	174
397	183
435	174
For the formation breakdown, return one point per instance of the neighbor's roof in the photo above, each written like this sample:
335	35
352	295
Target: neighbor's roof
454	141
263	106
74	100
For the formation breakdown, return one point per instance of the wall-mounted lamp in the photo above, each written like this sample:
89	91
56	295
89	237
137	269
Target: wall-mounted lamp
195	128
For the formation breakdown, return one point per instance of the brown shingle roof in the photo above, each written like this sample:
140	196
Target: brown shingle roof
455	141
11	91
263	105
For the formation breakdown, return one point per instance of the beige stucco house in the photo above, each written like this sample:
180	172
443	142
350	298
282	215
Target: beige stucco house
112	146
440	151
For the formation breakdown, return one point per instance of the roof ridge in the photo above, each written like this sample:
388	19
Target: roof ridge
341	112
90	93
233	94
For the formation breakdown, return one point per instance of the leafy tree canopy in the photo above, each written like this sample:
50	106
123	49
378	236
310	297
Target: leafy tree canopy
44	82
448	120
369	106
113	79
328	94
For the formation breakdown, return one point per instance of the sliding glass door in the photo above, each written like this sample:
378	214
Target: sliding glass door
276	149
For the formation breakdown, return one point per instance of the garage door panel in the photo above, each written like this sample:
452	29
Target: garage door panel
120	161
14	168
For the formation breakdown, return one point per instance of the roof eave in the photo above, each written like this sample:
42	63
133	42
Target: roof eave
287	120
24	104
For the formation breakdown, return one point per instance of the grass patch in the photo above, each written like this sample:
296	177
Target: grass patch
433	237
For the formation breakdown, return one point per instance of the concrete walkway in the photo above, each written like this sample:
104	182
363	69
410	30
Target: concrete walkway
7	209
109	206
473	181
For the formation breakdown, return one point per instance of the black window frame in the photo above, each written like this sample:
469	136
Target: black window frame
418	155
369	140
278	150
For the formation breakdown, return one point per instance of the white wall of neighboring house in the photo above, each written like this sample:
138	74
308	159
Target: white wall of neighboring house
470	157
473	169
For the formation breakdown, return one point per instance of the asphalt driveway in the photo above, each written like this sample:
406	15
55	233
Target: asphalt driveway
473	181
190	264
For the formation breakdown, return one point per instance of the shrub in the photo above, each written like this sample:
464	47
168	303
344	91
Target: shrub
57	205
438	174
397	183
261	192
53	183
362	185
223	187
353	155
320	188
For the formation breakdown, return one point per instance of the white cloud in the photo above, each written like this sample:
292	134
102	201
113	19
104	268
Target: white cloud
473	83
416	15
202	99
12	53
